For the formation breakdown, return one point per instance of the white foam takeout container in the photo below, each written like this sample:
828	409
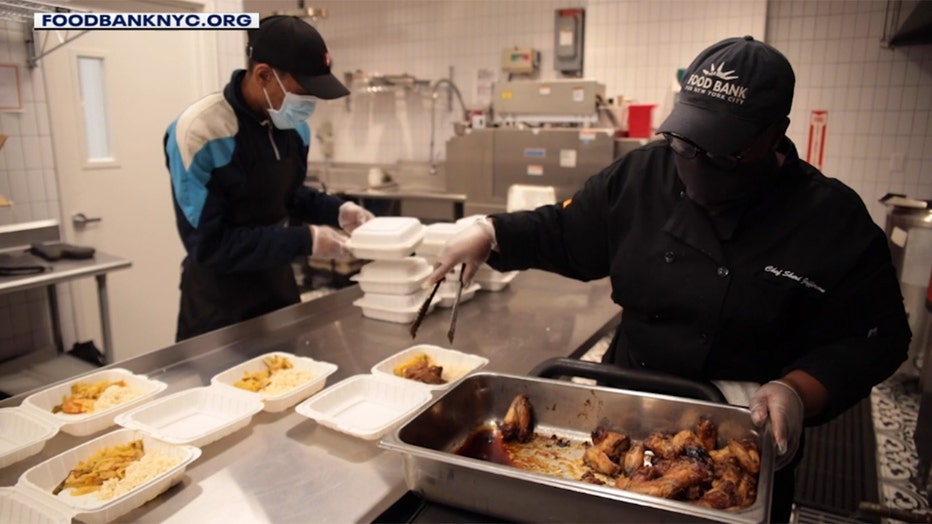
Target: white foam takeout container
275	403
456	364
83	424
195	417
22	435
491	280
365	406
447	293
404	315
394	301
33	496
436	236
402	276
386	238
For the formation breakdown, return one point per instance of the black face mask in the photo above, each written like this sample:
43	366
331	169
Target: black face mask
719	189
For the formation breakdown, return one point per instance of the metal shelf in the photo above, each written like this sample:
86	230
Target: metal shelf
22	11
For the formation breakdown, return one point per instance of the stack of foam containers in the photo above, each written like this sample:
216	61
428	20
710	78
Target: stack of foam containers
393	283
487	278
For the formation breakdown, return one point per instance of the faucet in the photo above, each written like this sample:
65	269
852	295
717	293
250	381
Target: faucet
433	103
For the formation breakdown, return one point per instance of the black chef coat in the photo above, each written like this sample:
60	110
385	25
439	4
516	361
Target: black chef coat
800	279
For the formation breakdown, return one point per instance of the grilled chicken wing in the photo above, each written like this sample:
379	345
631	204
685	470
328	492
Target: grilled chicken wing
519	420
669	447
743	451
598	460
613	444
634	458
707	433
682	474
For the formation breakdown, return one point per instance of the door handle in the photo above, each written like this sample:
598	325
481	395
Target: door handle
80	219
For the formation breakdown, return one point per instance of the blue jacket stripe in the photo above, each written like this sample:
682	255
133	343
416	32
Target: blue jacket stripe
190	184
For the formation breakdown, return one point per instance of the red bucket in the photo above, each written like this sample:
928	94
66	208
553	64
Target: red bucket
639	120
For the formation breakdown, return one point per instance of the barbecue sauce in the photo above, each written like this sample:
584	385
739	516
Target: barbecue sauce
487	445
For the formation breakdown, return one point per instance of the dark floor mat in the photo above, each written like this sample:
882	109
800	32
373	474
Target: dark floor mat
839	468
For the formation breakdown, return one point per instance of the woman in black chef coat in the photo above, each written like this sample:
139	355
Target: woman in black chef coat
732	259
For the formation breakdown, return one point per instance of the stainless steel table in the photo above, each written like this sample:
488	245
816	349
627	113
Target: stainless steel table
66	271
286	468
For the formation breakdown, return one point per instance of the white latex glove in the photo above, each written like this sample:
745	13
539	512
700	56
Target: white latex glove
353	216
781	404
471	246
327	242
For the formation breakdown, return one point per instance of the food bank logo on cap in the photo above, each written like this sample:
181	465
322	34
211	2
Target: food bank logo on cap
731	90
717	83
720	72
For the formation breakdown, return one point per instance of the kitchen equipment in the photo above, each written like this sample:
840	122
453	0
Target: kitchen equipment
909	231
424	309
456	302
571	411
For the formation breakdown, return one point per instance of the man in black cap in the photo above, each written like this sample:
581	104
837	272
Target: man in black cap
734	261
238	161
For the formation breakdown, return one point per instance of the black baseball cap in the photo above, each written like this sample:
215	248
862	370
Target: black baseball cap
294	46
730	93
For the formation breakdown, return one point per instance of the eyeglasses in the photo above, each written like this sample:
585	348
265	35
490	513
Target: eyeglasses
689	150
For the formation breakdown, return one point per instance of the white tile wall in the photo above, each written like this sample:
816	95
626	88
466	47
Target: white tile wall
879	100
27	177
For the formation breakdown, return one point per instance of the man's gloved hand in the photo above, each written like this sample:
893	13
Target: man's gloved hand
353	216
782	405
471	245
327	242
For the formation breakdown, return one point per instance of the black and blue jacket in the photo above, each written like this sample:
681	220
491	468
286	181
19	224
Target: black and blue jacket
210	149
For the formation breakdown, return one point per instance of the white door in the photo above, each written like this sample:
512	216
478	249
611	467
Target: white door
147	78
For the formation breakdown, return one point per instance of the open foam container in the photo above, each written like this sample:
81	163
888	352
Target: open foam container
40	404
195	417
22	435
279	402
456	364
365	406
31	500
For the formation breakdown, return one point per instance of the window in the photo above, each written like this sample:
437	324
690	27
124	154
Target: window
93	86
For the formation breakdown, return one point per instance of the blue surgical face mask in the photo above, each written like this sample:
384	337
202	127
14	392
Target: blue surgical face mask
294	110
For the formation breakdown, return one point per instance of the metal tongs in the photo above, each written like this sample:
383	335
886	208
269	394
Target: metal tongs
422	312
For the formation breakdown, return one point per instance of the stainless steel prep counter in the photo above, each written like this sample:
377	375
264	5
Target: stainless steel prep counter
66	270
286	468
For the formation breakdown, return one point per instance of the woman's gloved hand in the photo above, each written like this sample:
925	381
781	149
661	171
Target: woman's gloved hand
327	242
471	246
782	405
352	216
